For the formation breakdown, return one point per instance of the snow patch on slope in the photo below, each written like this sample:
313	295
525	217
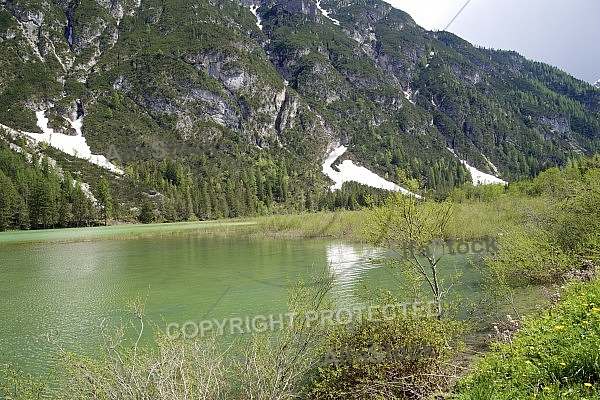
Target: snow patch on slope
479	177
258	19
85	188
491	165
326	13
408	93
597	84
73	145
349	172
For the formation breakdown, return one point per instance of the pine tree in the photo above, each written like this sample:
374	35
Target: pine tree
168	209
105	199
189	207
65	212
8	202
206	208
147	212
81	207
41	204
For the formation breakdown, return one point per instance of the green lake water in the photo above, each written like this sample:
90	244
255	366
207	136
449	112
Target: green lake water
68	282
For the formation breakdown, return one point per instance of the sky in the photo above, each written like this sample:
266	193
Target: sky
565	34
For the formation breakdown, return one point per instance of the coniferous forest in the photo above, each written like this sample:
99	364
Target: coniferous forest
36	194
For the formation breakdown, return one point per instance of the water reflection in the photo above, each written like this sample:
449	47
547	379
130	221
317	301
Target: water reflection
348	264
69	288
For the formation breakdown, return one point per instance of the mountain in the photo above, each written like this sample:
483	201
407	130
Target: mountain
226	108
597	84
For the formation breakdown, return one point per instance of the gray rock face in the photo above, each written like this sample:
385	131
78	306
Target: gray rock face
304	7
203	69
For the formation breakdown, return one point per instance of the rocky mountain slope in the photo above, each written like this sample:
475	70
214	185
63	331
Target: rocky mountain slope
263	90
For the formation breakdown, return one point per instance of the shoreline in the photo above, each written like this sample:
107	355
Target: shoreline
118	232
347	225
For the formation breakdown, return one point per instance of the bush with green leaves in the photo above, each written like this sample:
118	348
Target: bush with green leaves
406	220
528	255
387	356
556	238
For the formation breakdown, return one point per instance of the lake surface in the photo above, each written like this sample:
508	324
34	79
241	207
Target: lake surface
69	288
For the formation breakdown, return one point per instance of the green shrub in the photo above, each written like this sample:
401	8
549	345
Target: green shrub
386	355
527	255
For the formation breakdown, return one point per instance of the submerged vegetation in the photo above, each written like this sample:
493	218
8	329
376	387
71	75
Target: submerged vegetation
546	235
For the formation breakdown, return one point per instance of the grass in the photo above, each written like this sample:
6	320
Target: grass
474	220
126	231
348	225
554	355
469	221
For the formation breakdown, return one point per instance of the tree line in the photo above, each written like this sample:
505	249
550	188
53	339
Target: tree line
34	195
179	193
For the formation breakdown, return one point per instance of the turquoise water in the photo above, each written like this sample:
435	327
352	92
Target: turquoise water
70	288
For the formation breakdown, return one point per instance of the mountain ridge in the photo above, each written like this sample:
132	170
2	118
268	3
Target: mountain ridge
260	86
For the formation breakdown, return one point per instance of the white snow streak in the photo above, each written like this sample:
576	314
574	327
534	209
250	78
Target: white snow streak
85	188
597	84
479	177
258	20
326	13
349	172
408	94
490	164
73	145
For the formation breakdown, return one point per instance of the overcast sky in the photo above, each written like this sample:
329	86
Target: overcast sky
565	34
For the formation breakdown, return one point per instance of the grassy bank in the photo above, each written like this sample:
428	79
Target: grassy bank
552	355
125	231
470	221
348	225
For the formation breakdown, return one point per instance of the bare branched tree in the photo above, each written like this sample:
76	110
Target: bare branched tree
414	232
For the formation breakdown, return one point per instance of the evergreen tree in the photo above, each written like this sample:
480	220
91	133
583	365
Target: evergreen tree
168	209
81	207
189	207
105	199
65	212
205	206
147	212
42	204
8	202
